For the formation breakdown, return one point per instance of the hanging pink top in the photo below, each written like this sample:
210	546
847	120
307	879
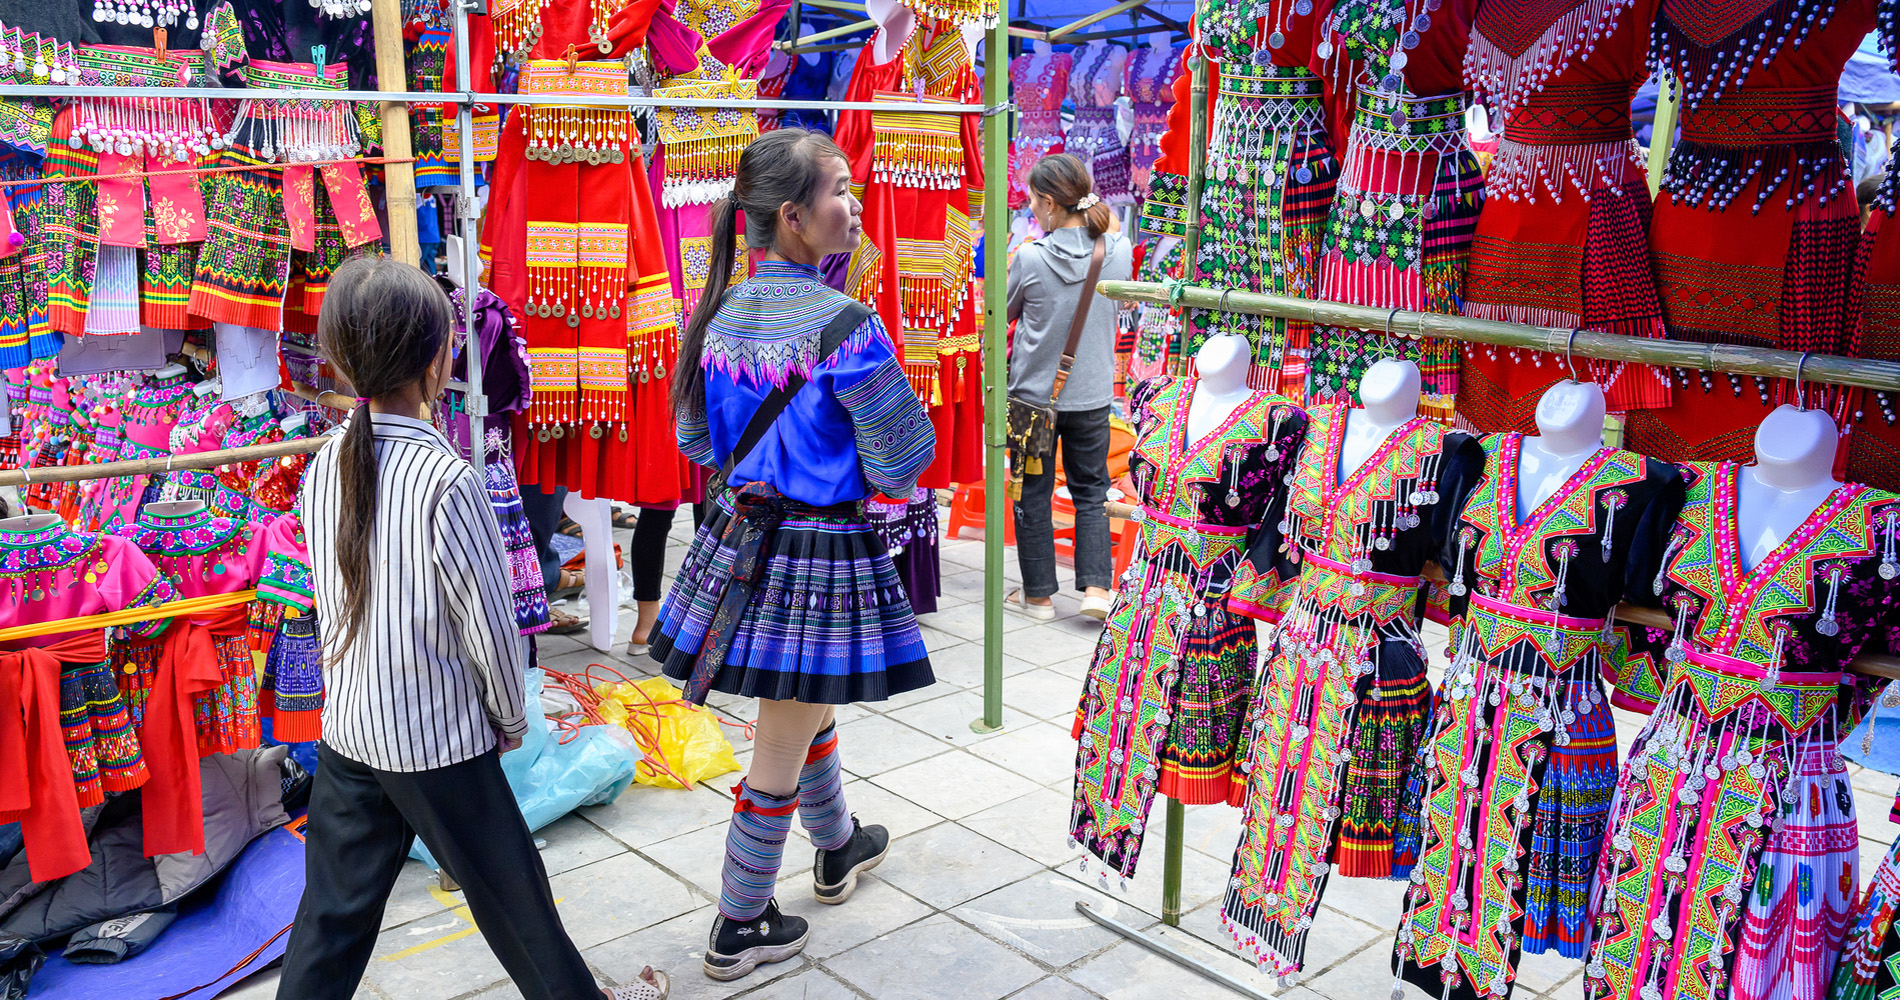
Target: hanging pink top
51	573
205	555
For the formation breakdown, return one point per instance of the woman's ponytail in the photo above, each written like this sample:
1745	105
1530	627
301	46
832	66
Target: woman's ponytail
689	382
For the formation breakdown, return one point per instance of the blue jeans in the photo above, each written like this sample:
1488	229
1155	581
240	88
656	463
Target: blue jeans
1083	437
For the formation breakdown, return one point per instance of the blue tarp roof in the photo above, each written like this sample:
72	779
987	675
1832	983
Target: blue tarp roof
1867	80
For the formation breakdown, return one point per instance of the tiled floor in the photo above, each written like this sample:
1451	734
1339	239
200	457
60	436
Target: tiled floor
977	899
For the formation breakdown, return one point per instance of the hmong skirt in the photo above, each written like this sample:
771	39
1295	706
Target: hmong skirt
225	717
1270	178
1338	717
1401	224
1095	138
292	691
524	565
909	532
1732	843
1144	144
1869	966
1038	134
1518	776
828	622
1162	707
99	733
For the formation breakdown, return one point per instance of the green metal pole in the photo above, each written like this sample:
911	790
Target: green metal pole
1662	133
995	285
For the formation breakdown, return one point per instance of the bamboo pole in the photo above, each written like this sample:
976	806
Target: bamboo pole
399	179
1866	373
1196	178
146	466
1662	132
996	127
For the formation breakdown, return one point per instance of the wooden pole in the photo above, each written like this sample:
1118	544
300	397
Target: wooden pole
1881	376
145	466
399	179
1196	178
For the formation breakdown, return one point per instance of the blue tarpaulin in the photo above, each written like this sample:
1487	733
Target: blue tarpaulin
1867	80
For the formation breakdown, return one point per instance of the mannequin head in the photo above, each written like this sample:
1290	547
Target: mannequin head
1160	40
1794	448
1570	417
1222	363
895	22
1389	390
1042	46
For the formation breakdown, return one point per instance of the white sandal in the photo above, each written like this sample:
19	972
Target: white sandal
642	989
1018	603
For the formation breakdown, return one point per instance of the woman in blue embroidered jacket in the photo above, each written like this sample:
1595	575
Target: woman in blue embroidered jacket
787	595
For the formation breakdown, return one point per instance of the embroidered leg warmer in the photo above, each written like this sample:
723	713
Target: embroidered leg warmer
821	794
755	844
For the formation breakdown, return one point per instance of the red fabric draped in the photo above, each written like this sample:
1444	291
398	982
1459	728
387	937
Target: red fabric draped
174	805
36	775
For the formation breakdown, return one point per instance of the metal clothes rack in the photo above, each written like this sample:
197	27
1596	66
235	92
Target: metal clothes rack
1880	376
386	23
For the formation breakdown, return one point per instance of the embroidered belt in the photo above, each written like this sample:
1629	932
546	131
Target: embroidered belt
295	76
1722	684
1561	639
1200	543
1568	116
1152	115
1780	117
1268	82
1094	128
1330	586
1268	99
1406	124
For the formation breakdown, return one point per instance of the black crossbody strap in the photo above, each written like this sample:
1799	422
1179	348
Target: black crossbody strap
835	332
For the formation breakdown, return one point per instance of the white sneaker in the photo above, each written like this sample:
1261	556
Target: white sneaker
1097	607
643	990
1040	612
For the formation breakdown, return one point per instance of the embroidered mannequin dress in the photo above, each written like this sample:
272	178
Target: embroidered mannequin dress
1730	864
1162	705
1342	704
1522	756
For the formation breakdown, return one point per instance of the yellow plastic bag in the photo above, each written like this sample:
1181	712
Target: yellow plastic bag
680	743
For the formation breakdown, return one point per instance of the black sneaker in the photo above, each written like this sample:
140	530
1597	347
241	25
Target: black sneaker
835	873
737	948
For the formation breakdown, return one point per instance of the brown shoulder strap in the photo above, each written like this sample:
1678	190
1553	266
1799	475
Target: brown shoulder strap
1080	319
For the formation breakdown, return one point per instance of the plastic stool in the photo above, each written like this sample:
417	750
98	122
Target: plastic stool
967	511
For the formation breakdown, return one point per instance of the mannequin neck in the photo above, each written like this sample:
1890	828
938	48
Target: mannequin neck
1042	48
1795	451
1389	392
1569	420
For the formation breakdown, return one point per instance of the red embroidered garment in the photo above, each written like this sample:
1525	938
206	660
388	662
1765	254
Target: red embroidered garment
1755	230
36	778
1563	239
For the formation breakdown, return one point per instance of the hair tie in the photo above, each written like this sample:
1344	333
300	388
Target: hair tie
1088	201
360	400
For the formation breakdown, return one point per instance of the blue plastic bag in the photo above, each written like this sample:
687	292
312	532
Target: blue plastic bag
551	779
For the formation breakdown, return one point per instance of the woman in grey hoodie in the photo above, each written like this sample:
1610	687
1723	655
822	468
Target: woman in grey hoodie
1045	291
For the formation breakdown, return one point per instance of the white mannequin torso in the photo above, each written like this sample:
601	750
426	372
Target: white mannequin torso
895	22
1389	391
1039	59
1221	385
1793	475
1569	431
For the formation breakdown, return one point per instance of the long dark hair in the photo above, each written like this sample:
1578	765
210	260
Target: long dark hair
382	323
782	165
1062	178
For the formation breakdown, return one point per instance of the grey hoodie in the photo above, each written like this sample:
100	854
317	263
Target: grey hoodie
1045	285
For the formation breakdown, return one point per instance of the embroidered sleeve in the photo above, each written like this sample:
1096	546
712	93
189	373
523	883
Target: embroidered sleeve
1633	664
895	438
694	435
284	570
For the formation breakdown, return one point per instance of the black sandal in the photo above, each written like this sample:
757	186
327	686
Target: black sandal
624	520
568	527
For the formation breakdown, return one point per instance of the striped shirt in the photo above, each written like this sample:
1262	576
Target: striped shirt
436	669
